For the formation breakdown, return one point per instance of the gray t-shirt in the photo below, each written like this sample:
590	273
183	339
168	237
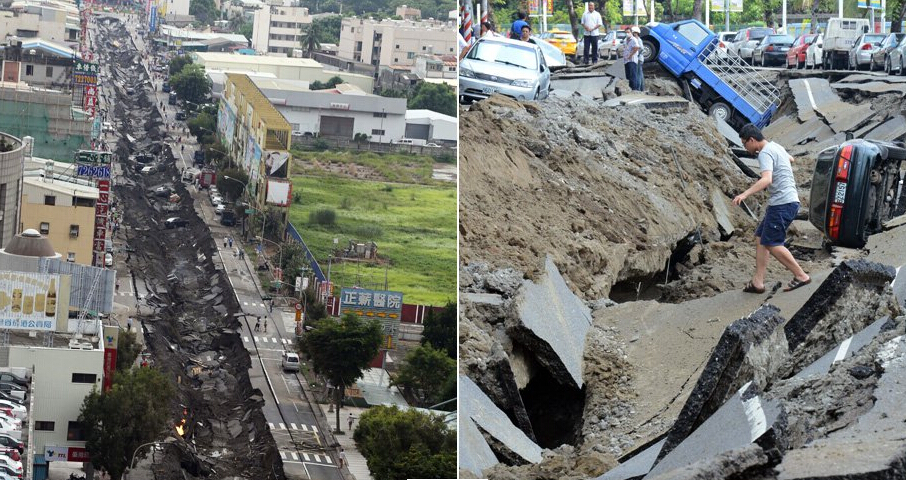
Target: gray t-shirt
775	159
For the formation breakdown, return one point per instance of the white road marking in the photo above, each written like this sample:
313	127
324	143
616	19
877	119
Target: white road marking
294	455
811	99
843	350
292	425
245	339
306	457
282	427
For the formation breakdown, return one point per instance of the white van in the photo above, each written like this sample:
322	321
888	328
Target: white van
411	141
839	37
290	362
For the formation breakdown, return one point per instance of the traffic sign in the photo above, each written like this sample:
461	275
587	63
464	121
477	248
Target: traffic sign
298	307
249	211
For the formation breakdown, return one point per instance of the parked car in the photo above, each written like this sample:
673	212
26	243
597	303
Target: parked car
7	418
228	218
772	50
746	40
14	465
509	67
839	37
17	410
795	56
608	44
879	56
9	398
814	52
163	191
180	115
895	59
10	452
174	222
290	362
165	87
723	43
563	40
5	470
7	425
553	57
13	378
218	210
216	200
854	190
108	259
14	390
11	442
862	50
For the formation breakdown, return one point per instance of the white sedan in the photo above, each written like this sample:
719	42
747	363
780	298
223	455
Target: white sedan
814	52
218	210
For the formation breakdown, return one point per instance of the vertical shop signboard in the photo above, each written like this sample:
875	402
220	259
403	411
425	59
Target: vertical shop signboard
100	222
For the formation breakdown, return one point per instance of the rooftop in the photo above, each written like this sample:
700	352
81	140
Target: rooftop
30	243
410	114
255	60
62	186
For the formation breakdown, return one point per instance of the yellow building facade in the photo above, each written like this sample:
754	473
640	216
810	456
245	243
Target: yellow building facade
63	212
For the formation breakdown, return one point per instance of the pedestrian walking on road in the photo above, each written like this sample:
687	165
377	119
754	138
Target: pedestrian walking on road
258	325
230	238
224	242
342	457
265	325
270	307
783	205
349	420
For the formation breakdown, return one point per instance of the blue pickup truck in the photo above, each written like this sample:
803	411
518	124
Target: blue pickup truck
720	82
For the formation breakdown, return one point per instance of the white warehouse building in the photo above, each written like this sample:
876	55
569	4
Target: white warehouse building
432	127
340	112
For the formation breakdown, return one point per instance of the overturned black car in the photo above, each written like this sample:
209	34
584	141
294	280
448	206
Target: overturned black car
856	187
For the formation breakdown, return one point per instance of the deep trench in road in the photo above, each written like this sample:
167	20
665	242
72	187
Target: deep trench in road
190	311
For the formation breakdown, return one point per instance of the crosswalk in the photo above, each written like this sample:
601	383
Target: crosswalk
265	340
125	294
253	304
305	457
293	426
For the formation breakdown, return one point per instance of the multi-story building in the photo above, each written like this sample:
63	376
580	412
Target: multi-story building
340	112
394	42
59	128
175	8
280	67
39	62
12	154
62	209
278	29
257	138
436	67
432	127
57	22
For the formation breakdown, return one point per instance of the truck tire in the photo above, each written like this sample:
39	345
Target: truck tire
649	50
720	110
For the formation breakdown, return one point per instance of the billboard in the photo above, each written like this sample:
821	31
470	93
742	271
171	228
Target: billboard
719	5
535	7
30	301
111	339
386	306
53	453
274	160
226	122
252	160
874	4
279	192
640	8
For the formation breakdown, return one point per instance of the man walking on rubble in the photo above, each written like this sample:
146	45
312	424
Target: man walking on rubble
783	205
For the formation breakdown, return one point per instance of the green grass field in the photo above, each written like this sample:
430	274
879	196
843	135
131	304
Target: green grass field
414	227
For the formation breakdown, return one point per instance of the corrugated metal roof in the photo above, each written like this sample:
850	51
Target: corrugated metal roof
263	107
256	60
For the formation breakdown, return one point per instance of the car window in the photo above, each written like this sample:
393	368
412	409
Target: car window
507	54
872	38
759	33
779	39
692	32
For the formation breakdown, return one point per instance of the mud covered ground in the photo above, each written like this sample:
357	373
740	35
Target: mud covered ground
189	314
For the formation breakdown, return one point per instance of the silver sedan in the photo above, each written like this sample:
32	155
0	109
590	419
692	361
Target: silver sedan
509	67
862	50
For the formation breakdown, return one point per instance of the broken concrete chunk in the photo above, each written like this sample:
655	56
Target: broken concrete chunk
552	323
743	419
844	350
750	349
478	408
735	463
722	213
474	453
635	467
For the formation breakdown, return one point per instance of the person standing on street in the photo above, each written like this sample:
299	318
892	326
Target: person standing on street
258	325
516	29
640	76
349	420
783	205
591	22
630	57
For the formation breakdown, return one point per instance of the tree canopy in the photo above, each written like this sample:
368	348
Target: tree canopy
134	411
311	38
204	123
127	350
191	84
232	187
440	330
438	97
425	373
178	63
205	11
401	444
330	83
341	350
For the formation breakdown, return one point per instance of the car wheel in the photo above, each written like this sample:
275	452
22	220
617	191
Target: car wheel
887	66
798	65
763	63
720	110
649	50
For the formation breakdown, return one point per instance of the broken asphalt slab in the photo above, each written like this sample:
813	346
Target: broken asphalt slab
552	323
844	350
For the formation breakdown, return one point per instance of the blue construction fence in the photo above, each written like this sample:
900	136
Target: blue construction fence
294	234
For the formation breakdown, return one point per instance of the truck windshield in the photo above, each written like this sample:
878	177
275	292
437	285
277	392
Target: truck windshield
507	54
694	33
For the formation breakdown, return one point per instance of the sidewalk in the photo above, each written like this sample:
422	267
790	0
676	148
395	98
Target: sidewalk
357	466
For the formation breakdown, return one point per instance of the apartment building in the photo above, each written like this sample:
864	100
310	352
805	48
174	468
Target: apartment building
63	211
38	62
10	175
394	42
51	21
278	29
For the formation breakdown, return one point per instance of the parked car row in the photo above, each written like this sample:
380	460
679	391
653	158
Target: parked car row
13	412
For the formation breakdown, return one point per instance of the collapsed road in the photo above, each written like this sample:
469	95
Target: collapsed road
191	318
603	330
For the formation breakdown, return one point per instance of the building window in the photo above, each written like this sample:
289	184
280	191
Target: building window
70	257
29	70
397	47
75	433
424	48
82	202
73	230
44	426
50	200
380	114
351	29
84	377
395	60
410	55
49	72
377	131
45	228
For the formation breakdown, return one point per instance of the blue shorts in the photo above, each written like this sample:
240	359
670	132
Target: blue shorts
777	219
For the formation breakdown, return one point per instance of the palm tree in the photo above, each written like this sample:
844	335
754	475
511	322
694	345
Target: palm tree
311	38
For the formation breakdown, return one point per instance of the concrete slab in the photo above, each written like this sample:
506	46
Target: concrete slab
844	350
741	420
872	447
475	406
635	467
867	77
729	133
814	96
872	87
589	86
893	129
649	101
736	463
552	323
721	213
846	117
750	350
805	101
779	127
474	453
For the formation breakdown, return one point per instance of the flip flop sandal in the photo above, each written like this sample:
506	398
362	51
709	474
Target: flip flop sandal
796	283
752	288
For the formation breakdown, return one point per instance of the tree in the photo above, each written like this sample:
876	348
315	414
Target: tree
424	373
203	124
204	10
232	187
178	63
440	330
134	411
332	82
191	84
400	444
341	350
247	30
438	97
127	350
329	28
311	38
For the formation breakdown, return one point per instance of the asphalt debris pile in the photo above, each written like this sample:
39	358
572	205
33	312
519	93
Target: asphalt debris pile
190	315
